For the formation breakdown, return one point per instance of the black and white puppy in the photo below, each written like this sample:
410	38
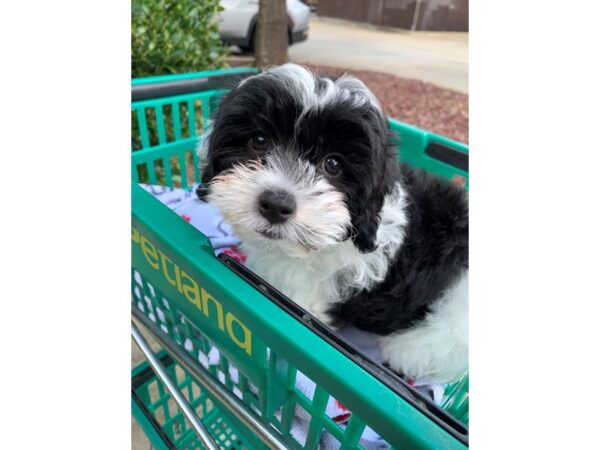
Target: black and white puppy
303	169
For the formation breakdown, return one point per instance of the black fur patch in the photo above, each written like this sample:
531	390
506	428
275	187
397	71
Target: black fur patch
434	253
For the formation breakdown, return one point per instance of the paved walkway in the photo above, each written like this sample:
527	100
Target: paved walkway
440	58
139	441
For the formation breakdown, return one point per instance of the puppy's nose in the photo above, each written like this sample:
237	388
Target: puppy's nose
276	206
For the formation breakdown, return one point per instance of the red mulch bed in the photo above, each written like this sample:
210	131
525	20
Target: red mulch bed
425	105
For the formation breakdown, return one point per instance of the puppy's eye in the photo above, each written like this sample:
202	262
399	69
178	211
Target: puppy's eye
332	165
259	142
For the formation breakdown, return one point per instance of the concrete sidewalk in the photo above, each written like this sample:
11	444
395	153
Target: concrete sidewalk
440	58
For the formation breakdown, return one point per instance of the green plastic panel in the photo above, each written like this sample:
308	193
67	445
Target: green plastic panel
158	415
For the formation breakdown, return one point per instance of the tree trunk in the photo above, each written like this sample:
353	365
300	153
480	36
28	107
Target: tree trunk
271	40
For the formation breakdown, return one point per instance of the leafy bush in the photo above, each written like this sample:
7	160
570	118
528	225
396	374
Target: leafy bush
174	36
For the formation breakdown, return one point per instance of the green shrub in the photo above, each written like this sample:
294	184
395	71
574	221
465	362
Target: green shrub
174	36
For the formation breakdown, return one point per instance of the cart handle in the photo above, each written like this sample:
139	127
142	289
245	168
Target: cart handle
205	379
207	441
449	155
149	91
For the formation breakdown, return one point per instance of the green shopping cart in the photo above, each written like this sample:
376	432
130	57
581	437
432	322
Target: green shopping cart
192	302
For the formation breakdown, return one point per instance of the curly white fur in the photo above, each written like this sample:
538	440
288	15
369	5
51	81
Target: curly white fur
438	348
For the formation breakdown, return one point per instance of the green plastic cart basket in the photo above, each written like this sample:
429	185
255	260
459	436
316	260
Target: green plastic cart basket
190	302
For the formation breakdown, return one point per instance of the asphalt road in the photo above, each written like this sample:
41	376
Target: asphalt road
440	58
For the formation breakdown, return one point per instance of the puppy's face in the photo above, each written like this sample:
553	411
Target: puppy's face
299	161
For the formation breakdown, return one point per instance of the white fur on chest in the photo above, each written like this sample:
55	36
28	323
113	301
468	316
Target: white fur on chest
329	275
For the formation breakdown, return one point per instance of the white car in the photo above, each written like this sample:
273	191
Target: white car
237	22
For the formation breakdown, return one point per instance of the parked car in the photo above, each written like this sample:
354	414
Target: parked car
237	22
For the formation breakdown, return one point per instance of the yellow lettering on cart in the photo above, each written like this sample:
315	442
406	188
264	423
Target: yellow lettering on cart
149	250
246	344
205	298
135	235
191	290
173	281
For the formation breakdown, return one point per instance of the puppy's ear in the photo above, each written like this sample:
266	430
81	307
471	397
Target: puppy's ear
367	209
366	204
206	148
207	167
365	224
